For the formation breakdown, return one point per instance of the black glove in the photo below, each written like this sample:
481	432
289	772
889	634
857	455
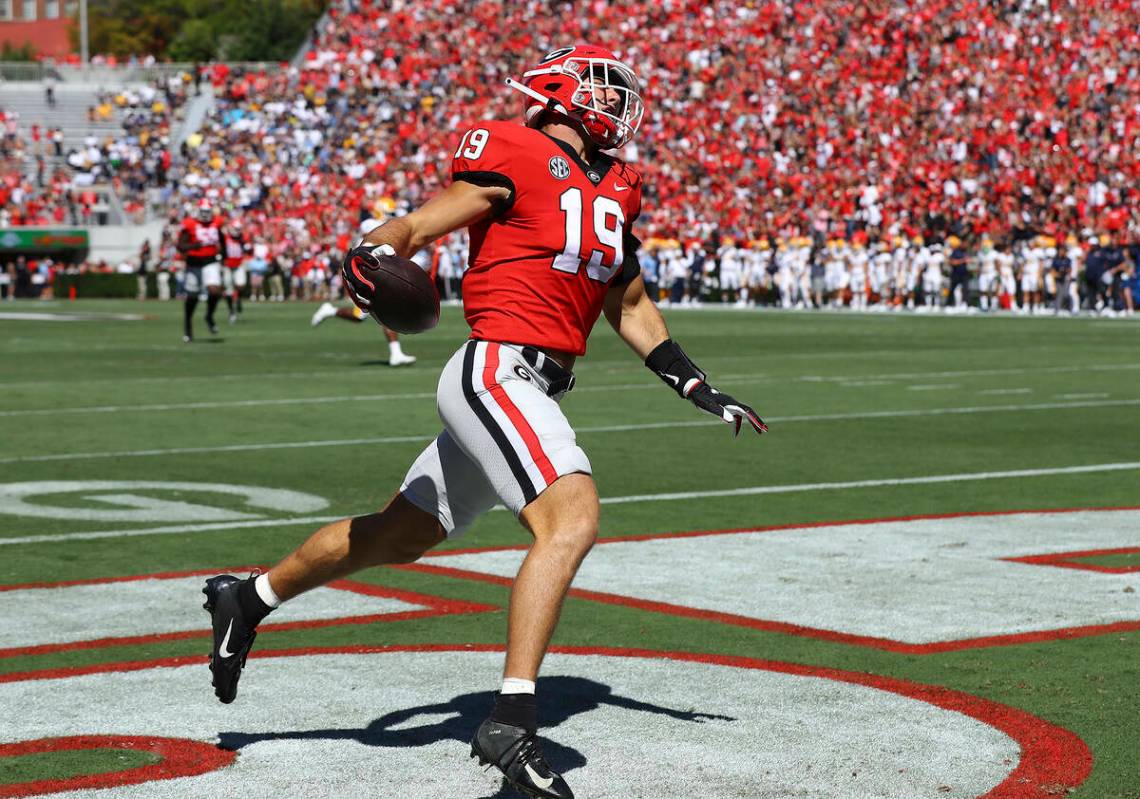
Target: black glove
670	363
353	271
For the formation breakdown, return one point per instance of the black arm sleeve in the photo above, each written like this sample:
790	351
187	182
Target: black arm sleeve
490	179
631	264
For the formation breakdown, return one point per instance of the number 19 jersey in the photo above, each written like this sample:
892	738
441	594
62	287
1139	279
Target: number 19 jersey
540	266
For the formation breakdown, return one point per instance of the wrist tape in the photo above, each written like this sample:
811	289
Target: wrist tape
669	362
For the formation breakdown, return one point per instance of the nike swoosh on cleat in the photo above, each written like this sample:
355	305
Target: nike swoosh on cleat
539	781
222	651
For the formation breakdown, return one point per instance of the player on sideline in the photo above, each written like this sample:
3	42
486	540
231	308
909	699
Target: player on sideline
200	241
552	247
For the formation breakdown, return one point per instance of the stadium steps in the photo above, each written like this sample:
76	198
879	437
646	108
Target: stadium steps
70	112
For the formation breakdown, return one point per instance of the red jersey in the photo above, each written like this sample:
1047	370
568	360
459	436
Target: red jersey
235	252
205	240
540	268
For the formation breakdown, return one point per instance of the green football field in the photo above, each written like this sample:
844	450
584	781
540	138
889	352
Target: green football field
962	651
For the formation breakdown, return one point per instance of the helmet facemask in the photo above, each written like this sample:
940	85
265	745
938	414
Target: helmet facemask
602	94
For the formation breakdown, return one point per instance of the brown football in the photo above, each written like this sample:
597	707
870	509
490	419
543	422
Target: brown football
405	299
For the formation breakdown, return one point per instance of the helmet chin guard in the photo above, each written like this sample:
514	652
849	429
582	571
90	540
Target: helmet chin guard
588	86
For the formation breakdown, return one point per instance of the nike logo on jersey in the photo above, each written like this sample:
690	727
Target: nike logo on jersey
619	187
538	781
223	652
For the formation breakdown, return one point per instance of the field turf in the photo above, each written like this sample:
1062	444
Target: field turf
877	400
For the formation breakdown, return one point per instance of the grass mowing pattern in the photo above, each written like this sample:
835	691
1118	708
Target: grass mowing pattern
273	379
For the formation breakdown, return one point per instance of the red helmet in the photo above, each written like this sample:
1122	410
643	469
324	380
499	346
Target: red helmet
588	85
204	210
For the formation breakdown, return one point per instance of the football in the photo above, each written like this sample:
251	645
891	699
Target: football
405	299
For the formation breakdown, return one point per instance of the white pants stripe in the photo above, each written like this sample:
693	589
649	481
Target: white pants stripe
504	438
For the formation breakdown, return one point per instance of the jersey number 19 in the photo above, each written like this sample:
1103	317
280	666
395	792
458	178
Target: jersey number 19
608	220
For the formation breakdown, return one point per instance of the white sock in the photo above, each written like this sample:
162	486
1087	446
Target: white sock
265	591
394	350
513	685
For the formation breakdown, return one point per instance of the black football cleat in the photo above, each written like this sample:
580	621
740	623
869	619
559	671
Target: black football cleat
517	754
213	328
233	634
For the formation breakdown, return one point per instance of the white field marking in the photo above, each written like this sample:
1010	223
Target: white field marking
193	406
619	725
1003	391
863	383
619	428
932	387
860	381
588	366
18	316
916	582
895	481
36	616
1095	395
169	529
790	488
1107	367
135	507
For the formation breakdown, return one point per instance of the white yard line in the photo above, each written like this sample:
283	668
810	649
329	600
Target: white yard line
900	481
617	428
1002	391
589	366
668	497
1100	395
169	530
863	380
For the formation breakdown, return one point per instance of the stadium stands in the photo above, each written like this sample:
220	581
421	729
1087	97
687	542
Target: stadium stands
774	121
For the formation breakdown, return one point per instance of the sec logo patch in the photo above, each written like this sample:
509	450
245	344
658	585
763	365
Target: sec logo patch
559	167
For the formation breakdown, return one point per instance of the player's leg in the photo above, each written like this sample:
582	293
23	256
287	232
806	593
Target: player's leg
396	356
564	523
329	311
400	533
228	291
193	287
240	279
212	277
501	404
443	493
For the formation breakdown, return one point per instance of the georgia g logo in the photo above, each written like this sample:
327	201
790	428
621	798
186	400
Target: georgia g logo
554	55
559	167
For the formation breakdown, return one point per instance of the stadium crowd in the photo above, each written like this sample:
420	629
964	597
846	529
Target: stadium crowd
801	144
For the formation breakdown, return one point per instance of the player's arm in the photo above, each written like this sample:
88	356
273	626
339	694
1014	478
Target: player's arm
459	205
184	241
636	319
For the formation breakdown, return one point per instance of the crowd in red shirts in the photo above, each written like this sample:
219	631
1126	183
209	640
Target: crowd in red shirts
782	119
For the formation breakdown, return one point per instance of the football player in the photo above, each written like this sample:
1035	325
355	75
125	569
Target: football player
552	247
200	241
234	274
354	314
396	355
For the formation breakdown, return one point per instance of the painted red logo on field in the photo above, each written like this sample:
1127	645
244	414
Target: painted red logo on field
180	757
